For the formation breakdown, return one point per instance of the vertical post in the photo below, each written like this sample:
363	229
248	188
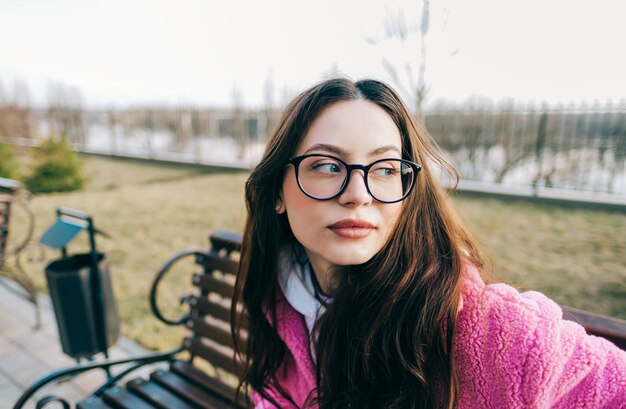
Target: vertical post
64	248
195	133
619	150
607	146
572	125
149	118
540	146
581	143
113	125
97	293
527	132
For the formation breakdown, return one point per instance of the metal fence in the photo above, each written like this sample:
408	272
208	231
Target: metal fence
575	147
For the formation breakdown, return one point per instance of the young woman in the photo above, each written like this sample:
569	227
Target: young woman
362	289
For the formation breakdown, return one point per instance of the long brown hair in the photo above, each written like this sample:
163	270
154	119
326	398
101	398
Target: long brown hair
385	341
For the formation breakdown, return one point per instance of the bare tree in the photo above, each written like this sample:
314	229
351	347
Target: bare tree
15	113
412	85
21	94
421	82
4	112
286	95
66	114
269	108
61	95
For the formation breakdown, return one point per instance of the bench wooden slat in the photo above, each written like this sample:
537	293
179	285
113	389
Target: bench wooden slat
207	329
92	402
121	398
230	241
157	395
213	284
197	376
187	390
214	261
607	327
215	356
217	310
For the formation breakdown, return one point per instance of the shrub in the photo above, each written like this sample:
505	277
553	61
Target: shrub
8	162
58	169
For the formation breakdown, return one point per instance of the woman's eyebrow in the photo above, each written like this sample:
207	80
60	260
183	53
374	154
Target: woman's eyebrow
337	150
384	149
327	148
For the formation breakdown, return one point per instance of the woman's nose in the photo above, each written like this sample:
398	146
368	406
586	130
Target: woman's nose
356	192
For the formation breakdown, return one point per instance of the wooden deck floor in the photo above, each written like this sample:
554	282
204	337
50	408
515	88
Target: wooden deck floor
26	353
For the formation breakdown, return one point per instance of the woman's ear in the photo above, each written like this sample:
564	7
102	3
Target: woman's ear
280	204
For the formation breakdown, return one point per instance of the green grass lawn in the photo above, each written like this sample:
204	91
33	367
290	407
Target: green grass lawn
577	257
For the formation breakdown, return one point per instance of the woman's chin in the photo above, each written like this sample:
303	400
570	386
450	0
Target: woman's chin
350	259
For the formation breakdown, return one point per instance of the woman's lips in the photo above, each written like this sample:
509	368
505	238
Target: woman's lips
352	228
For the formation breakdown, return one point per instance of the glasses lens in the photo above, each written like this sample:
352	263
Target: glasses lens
389	180
321	177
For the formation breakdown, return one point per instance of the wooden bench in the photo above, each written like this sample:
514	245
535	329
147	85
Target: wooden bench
184	384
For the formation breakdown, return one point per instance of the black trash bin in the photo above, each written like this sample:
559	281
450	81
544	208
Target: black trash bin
80	289
74	294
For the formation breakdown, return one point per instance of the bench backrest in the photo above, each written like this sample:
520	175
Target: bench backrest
209	319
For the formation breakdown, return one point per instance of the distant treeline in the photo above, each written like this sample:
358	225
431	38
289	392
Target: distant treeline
578	146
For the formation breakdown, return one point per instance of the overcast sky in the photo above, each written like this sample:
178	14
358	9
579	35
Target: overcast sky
197	51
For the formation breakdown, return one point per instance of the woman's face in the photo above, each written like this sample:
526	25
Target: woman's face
353	227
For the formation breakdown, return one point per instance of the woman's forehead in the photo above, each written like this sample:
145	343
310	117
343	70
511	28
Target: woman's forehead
353	128
340	151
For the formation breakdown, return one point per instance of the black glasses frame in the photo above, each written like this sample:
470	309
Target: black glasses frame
349	168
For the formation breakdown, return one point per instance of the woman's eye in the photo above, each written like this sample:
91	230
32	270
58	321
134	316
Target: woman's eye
327	167
385	171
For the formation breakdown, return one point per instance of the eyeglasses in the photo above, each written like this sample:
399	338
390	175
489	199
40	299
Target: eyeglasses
324	177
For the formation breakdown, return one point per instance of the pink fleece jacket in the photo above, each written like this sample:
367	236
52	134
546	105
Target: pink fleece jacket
512	351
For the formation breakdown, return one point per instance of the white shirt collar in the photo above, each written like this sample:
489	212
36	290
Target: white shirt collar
296	283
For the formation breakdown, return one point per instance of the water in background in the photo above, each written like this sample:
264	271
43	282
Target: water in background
576	148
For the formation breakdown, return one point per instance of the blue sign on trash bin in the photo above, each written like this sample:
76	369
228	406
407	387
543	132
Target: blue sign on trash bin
62	232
